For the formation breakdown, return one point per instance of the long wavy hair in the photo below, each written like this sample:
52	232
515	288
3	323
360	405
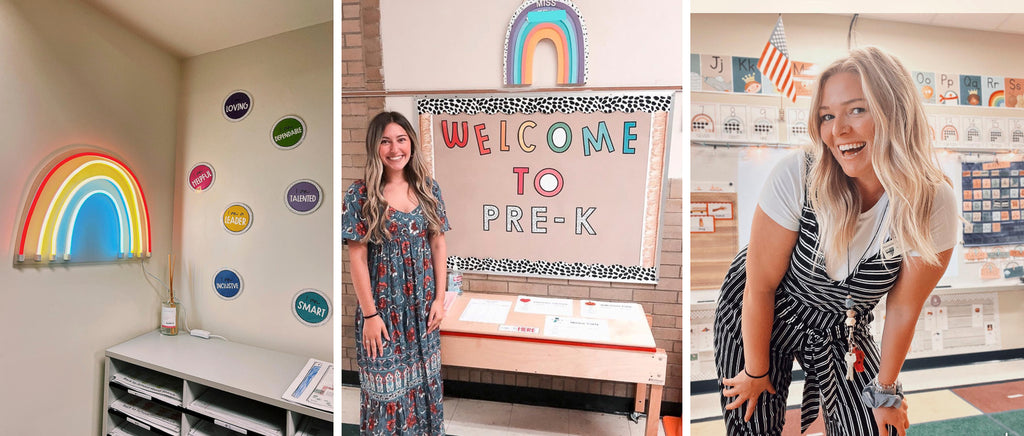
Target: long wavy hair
415	172
902	157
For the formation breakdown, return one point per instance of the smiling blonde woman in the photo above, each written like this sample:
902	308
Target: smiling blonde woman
864	213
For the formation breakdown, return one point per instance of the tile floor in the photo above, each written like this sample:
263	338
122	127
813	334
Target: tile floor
464	417
978	399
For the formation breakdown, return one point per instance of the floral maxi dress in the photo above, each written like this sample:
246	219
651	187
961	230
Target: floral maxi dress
400	389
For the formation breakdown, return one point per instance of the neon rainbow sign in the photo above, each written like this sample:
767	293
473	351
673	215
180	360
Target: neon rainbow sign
557	21
74	180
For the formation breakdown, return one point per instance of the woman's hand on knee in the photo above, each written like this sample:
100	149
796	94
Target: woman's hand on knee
894	416
747	390
374	335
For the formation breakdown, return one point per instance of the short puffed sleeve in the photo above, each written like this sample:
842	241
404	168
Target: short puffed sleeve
353	223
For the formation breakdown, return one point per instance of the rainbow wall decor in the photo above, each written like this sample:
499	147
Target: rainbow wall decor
557	21
84	192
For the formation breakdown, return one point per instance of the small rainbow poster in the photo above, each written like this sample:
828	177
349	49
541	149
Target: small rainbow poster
992	91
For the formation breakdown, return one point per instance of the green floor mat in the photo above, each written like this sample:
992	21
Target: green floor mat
1013	420
969	426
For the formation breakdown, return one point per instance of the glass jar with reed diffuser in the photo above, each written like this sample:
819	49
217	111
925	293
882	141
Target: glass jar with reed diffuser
169	308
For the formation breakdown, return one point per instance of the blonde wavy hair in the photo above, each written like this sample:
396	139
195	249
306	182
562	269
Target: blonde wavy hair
415	172
902	157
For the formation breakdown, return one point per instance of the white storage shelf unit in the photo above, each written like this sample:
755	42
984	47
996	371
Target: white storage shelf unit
247	379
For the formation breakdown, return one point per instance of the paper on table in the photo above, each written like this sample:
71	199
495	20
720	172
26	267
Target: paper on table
313	386
610	310
544	306
576	328
483	310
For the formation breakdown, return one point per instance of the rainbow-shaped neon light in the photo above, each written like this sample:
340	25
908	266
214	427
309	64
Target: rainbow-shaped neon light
57	198
536	20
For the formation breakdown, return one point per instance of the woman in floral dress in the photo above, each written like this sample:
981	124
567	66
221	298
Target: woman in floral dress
394	222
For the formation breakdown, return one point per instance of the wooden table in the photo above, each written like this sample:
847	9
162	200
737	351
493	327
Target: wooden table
627	354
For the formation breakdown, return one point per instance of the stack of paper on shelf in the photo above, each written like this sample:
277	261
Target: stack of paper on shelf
129	429
207	428
239	412
315	427
149	413
155	384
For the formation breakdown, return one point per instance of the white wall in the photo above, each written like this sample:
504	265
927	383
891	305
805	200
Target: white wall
457	45
283	253
821	39
69	75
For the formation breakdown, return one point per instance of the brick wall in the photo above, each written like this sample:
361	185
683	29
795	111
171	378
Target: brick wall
361	71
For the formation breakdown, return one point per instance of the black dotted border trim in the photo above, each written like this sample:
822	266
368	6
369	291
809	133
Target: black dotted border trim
546	105
575	270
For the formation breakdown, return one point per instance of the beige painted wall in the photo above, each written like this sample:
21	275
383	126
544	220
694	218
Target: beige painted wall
282	253
70	75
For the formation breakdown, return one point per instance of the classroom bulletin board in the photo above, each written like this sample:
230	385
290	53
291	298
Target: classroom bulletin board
567	186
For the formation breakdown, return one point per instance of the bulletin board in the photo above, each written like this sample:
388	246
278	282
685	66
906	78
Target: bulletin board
567	186
992	203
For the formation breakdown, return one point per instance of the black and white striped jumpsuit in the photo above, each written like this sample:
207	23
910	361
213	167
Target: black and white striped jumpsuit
809	325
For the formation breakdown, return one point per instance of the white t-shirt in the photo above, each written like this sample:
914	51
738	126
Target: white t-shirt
782	199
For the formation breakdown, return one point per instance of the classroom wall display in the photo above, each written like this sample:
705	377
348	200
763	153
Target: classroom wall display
237	218
716	73
703	121
764	124
992	94
804	75
797	121
947	88
995	131
288	132
228	284
972	131
746	77
561	186
201	177
694	71
303	196
1014	92
311	307
948	129
84	205
925	83
1016	131
991	198
970	90
558	21
237	105
735	123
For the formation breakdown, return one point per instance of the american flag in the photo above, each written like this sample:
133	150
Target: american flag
775	63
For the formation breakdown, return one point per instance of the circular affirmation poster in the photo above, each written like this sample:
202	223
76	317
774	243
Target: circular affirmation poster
303	197
237	218
311	307
228	284
288	132
201	177
237	105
